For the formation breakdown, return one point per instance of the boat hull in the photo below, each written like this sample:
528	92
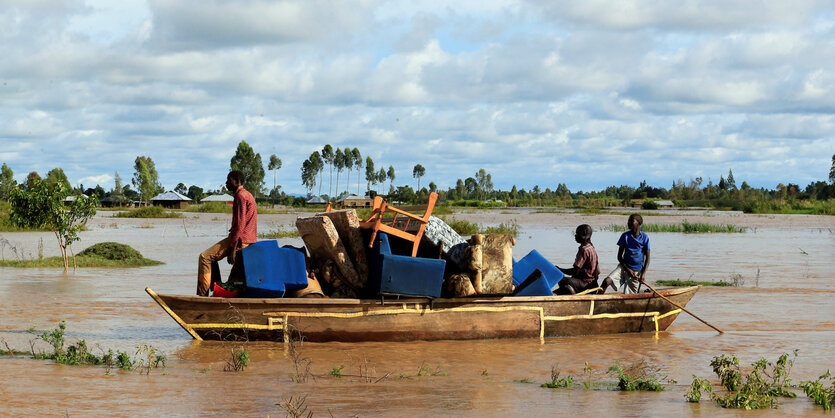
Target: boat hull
283	319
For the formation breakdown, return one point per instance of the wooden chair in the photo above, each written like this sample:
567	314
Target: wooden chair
398	227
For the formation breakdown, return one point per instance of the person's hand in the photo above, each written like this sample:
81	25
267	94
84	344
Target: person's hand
231	257
643	276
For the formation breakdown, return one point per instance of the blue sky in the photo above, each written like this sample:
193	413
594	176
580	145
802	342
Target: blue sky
590	94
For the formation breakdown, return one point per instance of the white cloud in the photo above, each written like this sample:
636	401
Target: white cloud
533	92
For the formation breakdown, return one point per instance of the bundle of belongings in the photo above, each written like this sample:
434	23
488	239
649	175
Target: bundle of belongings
347	257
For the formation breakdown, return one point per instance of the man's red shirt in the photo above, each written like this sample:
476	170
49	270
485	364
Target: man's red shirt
244	218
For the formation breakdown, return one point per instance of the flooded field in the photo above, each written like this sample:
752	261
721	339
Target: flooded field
786	264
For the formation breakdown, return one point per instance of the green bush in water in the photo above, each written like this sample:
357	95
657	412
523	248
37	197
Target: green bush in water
111	251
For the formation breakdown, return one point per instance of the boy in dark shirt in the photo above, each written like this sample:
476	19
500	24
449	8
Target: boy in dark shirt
583	274
633	257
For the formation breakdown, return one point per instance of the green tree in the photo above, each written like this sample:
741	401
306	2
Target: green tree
391	175
339	163
117	194
43	207
308	175
57	176
7	182
381	175
731	182
433	188
417	173
318	167
274	165
31	178
195	193
146	178
358	164
249	163
328	157
181	188
832	171
370	174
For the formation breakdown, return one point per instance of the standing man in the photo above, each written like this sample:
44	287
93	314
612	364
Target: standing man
244	231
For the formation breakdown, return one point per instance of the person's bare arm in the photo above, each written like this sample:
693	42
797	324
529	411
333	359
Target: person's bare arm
646	264
621	250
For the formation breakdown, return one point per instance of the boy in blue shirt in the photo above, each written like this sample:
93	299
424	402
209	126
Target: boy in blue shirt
633	257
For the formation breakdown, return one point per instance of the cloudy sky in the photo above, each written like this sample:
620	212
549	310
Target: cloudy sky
588	93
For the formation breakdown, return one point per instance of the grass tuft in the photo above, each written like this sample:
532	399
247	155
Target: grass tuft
683	227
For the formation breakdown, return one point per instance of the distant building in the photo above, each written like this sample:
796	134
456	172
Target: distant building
170	200
661	203
110	202
316	200
70	199
219	198
354	201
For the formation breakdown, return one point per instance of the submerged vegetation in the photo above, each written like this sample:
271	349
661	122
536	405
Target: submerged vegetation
79	354
279	232
558	382
679	282
148	212
465	228
760	388
640	376
684	227
819	392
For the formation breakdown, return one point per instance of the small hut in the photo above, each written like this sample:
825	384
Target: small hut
219	198
70	199
354	201
170	200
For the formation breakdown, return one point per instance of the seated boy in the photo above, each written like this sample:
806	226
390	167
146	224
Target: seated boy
584	273
633	257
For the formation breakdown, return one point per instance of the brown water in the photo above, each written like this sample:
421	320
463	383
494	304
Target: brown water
788	306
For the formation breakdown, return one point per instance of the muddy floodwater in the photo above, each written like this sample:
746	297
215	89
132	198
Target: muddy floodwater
786	302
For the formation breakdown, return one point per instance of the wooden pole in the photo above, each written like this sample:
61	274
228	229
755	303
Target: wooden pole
680	307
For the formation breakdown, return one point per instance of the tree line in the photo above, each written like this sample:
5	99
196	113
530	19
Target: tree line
478	187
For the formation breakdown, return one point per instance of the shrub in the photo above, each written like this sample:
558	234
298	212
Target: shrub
649	204
110	251
463	227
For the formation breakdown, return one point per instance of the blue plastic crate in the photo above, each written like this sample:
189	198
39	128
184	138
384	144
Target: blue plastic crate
271	271
535	261
391	274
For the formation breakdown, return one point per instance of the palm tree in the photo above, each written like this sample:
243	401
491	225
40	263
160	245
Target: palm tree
357	163
417	173
381	176
275	164
339	162
328	157
390	175
348	162
370	174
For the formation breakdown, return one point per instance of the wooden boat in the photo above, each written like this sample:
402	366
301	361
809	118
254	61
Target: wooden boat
283	319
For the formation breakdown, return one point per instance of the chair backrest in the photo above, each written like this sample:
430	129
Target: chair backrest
380	209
